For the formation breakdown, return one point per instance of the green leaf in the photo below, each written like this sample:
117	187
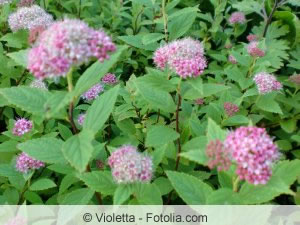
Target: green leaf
67	182
159	135
212	89
28	99
152	37
19	57
48	150
122	194
147	194
158	155
33	197
156	97
78	197
100	110
95	72
284	174
192	190
100	181
157	82
64	131
268	103
214	132
223	196
137	42
178	26
42	184
78	149
294	2
164	185
236	120
198	156
289	126
9	146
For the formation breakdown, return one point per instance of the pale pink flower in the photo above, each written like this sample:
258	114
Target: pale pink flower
130	166
185	57
252	37
237	18
218	155
66	44
26	3
38	84
254	50
232	59
295	79
22	126
81	118
109	78
29	18
266	83
230	108
199	101
254	153
25	163
93	92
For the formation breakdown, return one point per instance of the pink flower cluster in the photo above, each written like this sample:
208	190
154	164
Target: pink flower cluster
295	79
25	163
129	166
185	57
254	50
2	2
230	108
266	83
232	59
22	126
81	118
237	18
109	78
218	155
66	44
252	37
38	84
254	152
26	3
93	92
199	101
29	18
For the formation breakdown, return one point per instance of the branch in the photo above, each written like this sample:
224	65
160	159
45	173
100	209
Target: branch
270	18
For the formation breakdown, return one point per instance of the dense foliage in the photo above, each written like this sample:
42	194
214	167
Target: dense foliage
149	102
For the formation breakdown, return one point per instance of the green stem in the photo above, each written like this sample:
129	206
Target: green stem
236	184
71	106
177	125
165	19
252	67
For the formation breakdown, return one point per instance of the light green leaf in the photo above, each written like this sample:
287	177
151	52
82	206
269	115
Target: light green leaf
224	196
78	197
179	25
268	103
214	131
28	99
19	57
122	194
152	37
147	194
100	110
78	149
289	126
192	190
212	89
42	184
137	42
100	181
9	146
159	135
156	97
236	120
48	150
198	156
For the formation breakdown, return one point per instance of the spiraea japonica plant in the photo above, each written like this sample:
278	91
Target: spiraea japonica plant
149	102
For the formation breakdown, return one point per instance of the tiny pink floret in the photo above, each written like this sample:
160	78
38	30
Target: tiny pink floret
26	163
266	83
22	126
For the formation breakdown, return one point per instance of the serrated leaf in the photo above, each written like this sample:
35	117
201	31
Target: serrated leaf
268	103
100	110
156	97
80	196
214	132
100	181
152	37
289	126
42	184
19	57
147	194
78	149
122	194
160	135
28	99
48	150
136	41
211	89
192	190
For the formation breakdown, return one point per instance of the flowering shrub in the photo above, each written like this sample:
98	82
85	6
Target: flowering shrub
149	102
